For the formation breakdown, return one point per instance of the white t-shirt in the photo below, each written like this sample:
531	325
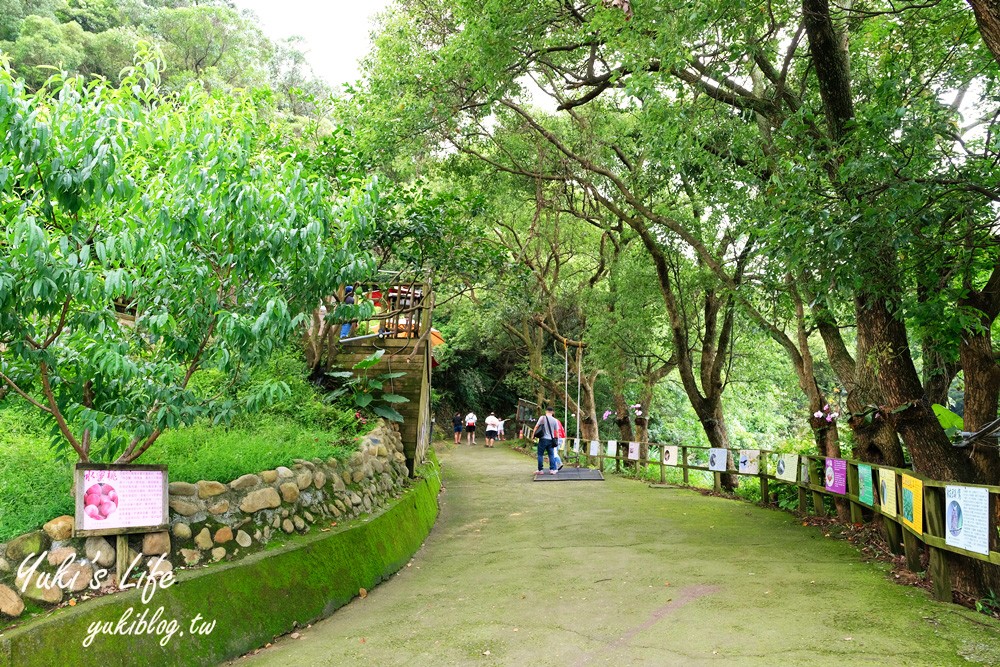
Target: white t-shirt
471	418
492	423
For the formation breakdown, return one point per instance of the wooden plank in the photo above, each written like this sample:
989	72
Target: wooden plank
684	462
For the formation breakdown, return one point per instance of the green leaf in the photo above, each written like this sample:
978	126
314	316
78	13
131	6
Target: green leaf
362	400
370	360
395	398
947	418
346	375
391	376
388	413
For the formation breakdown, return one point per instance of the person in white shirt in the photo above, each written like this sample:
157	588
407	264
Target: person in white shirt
492	426
470	426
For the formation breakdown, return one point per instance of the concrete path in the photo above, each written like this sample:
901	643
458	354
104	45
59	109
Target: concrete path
617	573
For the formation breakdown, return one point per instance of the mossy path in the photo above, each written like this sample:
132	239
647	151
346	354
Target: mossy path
615	572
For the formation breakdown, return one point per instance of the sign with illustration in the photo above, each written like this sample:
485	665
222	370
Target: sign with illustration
835	476
866	492
912	504
612	448
967	518
118	499
576	445
887	491
633	451
595	448
717	459
670	455
561	444
787	467
749	461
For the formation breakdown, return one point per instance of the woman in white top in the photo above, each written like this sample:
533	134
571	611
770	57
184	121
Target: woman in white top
470	426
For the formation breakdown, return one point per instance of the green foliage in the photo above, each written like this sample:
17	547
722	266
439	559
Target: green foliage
989	605
366	392
174	207
951	422
35	480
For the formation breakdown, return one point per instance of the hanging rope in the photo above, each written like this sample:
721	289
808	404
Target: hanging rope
566	384
579	359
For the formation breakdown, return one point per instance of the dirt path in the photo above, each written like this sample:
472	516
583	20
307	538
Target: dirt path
617	573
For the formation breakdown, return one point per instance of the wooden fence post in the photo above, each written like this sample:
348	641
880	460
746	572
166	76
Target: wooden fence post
934	503
854	488
762	472
684	462
718	482
893	534
819	509
663	469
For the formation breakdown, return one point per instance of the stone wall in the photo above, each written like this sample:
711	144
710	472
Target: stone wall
248	601
210	521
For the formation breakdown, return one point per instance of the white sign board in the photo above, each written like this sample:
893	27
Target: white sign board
717	459
967	518
633	451
670	455
120	499
749	461
787	468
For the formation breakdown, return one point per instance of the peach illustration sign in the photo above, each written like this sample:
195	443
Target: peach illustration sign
117	499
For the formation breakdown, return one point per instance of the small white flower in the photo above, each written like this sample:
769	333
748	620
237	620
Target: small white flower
818	414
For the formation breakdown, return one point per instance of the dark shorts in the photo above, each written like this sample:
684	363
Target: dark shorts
491	434
470	429
458	428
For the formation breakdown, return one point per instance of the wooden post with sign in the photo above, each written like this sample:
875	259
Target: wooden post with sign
120	500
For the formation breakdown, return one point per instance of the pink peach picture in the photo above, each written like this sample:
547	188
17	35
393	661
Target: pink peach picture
100	501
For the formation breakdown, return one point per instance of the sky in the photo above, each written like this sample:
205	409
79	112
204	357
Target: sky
336	32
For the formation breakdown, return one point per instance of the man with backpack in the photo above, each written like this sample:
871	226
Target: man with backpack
547	430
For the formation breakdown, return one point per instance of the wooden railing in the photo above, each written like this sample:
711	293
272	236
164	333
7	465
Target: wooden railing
903	538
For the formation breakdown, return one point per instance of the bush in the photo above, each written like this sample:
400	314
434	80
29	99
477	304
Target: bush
35	482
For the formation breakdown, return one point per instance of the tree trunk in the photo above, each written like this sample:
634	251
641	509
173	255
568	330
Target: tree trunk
988	19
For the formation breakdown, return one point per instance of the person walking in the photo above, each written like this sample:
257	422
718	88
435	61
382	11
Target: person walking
545	430
456	423
500	429
470	426
345	328
492	426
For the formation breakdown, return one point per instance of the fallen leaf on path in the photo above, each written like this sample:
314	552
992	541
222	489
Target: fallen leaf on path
363	593
486	652
666	583
295	635
848	639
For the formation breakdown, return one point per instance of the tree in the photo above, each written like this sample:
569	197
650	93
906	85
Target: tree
150	235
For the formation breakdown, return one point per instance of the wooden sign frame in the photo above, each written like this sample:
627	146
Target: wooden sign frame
79	489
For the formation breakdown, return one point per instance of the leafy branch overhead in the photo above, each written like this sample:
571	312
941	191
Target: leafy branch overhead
150	235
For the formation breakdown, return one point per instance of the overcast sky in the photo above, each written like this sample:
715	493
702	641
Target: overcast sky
336	32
